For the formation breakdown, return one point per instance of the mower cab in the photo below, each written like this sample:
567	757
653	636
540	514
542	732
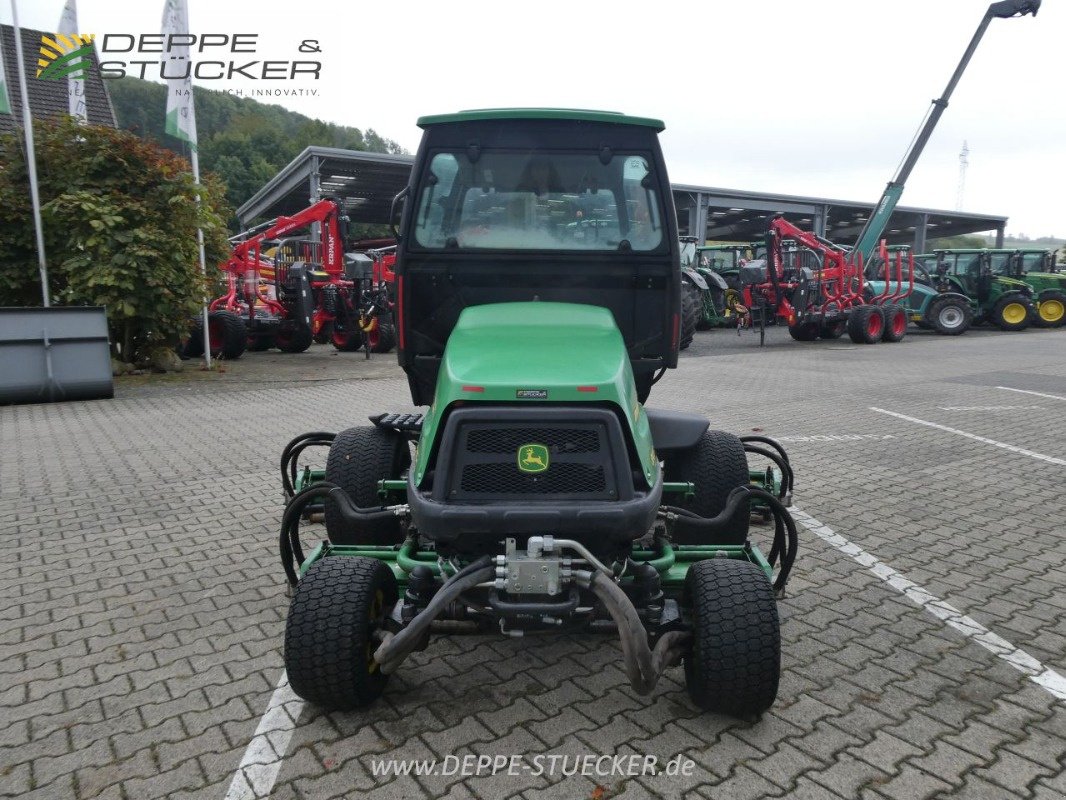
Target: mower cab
537	302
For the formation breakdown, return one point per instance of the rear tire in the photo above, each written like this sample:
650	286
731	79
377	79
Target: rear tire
357	460
330	634
866	324
1051	309
383	338
1012	312
294	340
690	309
229	336
804	331
735	664
325	334
833	330
895	323
949	316
715	465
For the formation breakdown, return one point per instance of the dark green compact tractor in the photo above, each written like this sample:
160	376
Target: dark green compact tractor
538	302
1005	301
1037	270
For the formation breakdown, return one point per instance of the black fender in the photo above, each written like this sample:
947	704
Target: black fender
713	277
675	430
697	280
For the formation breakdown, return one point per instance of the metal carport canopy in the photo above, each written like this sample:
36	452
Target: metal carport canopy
367	182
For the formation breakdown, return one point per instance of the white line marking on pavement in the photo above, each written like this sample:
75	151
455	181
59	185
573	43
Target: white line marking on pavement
1038	394
987	408
262	759
1043	676
974	436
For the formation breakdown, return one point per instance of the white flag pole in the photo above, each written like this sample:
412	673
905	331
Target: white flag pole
181	117
68	25
31	158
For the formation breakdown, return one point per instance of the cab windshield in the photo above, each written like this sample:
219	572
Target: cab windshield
539	200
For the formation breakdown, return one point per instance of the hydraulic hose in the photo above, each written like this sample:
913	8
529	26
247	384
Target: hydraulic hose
289	541
643	665
291	453
394	649
782	464
786	537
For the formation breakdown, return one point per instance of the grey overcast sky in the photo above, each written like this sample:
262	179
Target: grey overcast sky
818	97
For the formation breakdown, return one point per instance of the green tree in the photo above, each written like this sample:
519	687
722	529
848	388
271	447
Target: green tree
120	218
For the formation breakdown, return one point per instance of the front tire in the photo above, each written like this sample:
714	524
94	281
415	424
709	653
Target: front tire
949	316
357	460
293	340
690	310
331	632
734	666
715	465
804	331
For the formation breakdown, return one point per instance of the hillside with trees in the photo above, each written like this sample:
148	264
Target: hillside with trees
242	141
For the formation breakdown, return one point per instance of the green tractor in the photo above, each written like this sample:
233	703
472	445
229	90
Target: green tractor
1037	269
983	276
713	297
538	302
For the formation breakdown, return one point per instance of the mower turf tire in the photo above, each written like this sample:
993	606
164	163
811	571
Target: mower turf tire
1050	309
804	331
715	465
357	460
294	340
329	635
832	330
690	311
1013	312
735	663
949	316
866	324
895	323
383	338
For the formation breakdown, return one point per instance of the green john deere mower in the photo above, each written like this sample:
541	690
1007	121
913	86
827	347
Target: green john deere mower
538	302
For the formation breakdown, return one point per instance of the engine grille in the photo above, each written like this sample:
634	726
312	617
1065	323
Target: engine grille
482	465
508	440
559	479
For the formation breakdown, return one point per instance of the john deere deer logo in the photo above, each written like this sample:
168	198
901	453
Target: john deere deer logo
532	458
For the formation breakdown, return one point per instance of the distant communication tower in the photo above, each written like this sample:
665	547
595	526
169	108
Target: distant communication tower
964	162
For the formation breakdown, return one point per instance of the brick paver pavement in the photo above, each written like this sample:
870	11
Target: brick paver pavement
143	603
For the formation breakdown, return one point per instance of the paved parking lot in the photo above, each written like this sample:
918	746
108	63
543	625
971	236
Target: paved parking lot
924	629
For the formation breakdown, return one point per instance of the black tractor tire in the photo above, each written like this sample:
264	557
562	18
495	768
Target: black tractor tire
260	342
1005	309
833	330
357	460
383	338
804	331
345	340
734	666
690	310
866	324
325	334
193	347
949	316
715	465
895	323
330	634
229	336
1050	309
293	340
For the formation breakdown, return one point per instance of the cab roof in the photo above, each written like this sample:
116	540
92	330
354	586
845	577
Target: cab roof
578	114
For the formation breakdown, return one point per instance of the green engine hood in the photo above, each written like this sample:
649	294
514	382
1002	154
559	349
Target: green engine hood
536	353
